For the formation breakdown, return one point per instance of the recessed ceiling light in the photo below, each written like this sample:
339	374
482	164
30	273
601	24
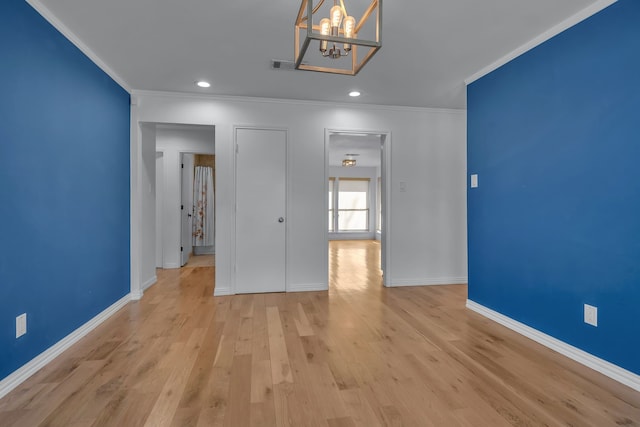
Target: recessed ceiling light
354	93
203	84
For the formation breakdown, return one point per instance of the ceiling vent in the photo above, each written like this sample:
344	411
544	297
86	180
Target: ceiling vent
278	64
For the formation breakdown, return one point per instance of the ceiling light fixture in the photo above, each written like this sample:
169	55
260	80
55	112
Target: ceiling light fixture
348	163
354	93
337	35
203	84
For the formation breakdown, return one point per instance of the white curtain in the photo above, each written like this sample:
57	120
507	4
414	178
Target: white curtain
203	227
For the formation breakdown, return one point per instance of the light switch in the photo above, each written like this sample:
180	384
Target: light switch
591	315
474	180
21	325
403	186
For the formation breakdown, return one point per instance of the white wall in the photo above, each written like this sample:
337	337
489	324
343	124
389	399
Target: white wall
359	172
428	153
173	140
148	204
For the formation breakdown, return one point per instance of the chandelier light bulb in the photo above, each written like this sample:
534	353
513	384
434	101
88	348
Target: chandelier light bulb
336	17
349	26
325	26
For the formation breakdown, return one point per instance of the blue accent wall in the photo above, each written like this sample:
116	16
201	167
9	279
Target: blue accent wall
554	137
64	186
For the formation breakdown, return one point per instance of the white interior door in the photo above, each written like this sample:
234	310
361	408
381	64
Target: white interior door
260	210
186	207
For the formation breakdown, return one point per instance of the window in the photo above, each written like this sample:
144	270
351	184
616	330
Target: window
332	182
349	199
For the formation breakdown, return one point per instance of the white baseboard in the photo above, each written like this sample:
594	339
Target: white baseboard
151	281
308	287
429	281
204	250
172	265
351	236
221	290
615	372
38	362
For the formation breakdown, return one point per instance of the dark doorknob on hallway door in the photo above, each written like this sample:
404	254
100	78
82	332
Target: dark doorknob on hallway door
280	219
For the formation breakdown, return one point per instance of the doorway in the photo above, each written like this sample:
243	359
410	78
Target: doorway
198	210
357	165
179	150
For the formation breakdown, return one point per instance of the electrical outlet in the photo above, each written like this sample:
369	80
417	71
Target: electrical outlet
21	325
591	315
474	180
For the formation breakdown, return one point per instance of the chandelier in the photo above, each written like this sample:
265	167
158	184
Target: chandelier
345	44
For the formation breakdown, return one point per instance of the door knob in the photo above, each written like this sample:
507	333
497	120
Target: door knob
280	219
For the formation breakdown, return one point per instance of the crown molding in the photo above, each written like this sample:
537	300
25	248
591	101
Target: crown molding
253	100
550	33
58	25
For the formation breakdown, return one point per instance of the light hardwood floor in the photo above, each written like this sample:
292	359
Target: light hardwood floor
358	355
201	261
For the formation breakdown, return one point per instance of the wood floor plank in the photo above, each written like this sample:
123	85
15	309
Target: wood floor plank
357	355
302	322
262	400
238	411
165	407
280	367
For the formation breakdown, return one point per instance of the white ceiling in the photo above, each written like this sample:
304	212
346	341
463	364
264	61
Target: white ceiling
366	147
428	47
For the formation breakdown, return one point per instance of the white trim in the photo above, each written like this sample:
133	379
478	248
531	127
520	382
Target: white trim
34	365
136	296
254	100
151	281
348	235
171	265
308	287
70	35
550	33
222	290
437	281
615	372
